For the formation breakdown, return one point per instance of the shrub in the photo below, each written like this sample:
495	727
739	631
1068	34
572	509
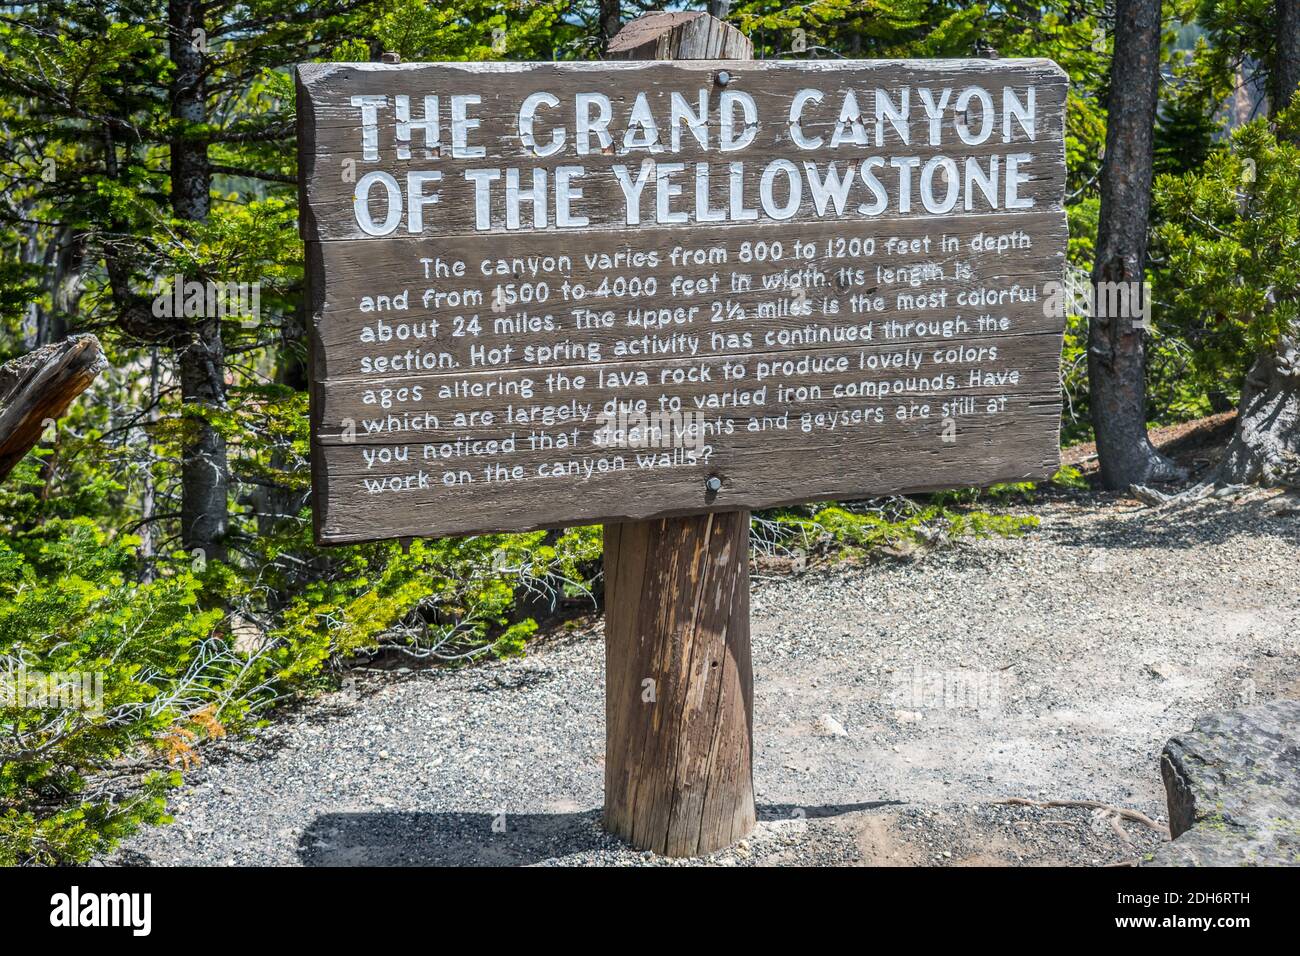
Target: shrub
76	771
1232	243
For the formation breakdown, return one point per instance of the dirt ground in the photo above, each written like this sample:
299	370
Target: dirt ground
895	704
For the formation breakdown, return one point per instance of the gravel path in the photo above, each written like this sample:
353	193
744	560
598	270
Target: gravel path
1051	667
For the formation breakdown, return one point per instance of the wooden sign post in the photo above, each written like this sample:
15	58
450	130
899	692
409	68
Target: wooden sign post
657	293
679	687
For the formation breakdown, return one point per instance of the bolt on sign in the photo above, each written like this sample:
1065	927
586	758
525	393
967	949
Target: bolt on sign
561	293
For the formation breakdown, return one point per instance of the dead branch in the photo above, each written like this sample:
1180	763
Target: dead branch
38	387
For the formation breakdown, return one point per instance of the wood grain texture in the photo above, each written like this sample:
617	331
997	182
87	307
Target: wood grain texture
679	685
400	356
678	752
336	160
911	457
356	276
656	36
40	386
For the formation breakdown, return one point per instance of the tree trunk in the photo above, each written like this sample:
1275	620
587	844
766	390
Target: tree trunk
148	491
66	286
1265	447
610	21
679	694
201	355
1116	349
1286	68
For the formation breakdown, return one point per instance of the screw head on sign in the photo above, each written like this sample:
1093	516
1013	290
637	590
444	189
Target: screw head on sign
714	484
723	78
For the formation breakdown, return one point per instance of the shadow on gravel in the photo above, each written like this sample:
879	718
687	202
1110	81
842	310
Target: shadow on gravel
1192	525
791	811
482	839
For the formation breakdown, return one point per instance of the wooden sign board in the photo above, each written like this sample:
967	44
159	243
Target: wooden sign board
564	293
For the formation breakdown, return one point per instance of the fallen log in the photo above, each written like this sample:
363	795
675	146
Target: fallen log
38	387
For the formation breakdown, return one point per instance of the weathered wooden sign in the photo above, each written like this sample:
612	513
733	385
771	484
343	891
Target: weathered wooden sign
561	293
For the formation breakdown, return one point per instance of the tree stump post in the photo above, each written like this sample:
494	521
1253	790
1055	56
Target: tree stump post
678	679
